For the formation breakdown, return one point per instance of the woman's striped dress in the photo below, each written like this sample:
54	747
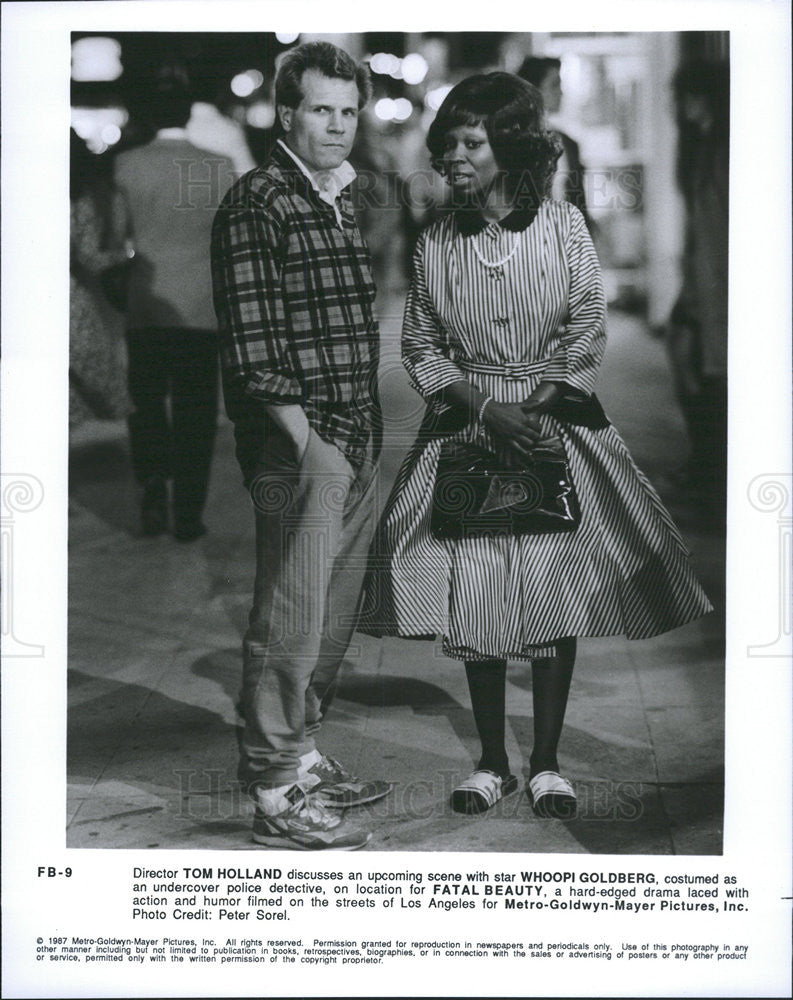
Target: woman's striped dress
539	316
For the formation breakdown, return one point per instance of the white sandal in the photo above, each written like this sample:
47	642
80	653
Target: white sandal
481	790
552	796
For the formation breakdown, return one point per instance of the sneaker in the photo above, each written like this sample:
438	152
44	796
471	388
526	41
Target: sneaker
327	780
305	825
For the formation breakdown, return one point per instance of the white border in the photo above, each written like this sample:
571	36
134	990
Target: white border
35	75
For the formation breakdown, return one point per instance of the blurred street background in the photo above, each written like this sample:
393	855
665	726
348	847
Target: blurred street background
617	103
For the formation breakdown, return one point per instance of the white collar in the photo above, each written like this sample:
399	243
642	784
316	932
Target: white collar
327	183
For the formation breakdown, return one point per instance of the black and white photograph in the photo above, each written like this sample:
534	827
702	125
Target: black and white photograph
505	249
413	493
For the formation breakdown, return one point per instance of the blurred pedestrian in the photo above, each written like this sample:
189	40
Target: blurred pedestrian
209	129
697	330
299	350
503	335
381	206
97	378
171	189
544	73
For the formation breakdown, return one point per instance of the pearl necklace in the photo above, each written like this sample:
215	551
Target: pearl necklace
496	263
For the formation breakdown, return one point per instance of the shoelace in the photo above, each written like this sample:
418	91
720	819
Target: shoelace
334	765
315	811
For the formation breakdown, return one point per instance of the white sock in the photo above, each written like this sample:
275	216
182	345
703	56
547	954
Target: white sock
273	801
308	760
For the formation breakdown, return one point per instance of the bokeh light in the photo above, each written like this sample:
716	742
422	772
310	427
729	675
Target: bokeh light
99	127
260	114
286	38
244	84
435	97
111	134
96	60
414	68
385	108
384	63
403	109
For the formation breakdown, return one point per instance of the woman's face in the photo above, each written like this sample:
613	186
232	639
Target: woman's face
468	160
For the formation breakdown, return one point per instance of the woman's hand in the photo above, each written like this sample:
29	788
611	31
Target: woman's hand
518	424
513	423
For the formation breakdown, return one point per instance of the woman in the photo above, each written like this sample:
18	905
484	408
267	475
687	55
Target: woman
97	380
504	328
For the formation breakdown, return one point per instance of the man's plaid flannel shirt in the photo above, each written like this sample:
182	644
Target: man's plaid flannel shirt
294	297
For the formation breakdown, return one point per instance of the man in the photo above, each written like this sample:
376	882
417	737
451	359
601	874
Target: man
697	329
299	349
568	183
170	188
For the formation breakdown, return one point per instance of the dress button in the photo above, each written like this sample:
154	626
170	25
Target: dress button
501	320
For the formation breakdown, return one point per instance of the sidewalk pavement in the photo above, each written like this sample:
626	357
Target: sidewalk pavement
154	655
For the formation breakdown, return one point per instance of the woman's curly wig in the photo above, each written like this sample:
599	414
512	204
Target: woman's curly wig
512	114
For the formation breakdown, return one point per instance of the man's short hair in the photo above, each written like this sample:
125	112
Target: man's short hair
534	69
164	99
325	58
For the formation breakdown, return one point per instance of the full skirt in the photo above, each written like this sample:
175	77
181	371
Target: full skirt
624	571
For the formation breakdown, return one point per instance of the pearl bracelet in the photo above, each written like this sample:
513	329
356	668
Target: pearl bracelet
485	401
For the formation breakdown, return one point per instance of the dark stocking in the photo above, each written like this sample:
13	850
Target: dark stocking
551	685
487	681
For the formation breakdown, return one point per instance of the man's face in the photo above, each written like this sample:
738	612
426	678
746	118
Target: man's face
551	90
321	129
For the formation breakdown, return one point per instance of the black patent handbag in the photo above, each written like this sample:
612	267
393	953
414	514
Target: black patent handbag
476	494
